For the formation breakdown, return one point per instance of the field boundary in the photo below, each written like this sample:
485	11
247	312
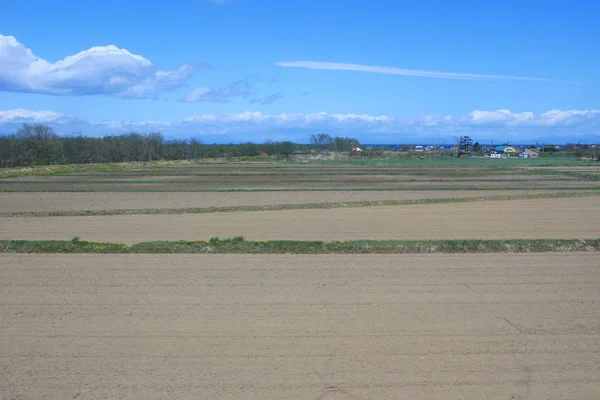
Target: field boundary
266	180
242	190
574	174
238	245
298	206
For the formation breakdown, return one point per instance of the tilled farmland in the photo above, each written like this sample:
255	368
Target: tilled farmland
13	202
300	327
579	218
475	325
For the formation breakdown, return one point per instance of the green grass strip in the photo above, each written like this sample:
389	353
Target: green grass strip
61	246
300	206
574	174
451	173
238	245
250	190
266	180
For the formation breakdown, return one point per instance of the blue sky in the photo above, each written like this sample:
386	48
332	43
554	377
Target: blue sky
235	70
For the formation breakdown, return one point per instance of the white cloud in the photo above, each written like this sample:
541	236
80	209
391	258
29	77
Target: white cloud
102	70
498	116
571	117
399	71
26	116
256	126
551	119
288	119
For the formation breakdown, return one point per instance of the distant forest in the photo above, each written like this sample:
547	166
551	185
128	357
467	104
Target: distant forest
40	145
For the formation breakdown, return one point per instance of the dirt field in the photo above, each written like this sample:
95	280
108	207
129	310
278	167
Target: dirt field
300	327
56	201
321	327
338	184
298	176
569	218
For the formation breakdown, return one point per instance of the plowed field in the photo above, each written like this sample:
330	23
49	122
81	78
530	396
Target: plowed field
569	218
300	327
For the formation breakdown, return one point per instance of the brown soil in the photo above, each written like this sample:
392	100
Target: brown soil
568	218
451	327
294	185
53	201
299	169
289	177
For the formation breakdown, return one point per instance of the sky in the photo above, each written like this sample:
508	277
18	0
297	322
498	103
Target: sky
383	71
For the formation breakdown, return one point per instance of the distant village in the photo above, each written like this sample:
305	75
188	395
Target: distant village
503	151
489	151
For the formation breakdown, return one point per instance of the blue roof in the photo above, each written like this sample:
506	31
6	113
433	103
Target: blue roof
500	148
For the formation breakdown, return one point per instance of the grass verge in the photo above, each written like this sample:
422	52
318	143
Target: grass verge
300	206
60	246
249	190
574	174
312	172
238	245
266	180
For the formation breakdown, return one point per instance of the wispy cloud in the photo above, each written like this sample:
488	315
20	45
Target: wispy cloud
222	94
242	88
270	99
401	71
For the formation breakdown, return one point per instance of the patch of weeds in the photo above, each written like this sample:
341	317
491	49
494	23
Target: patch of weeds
61	246
237	245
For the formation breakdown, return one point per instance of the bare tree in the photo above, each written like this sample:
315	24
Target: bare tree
323	141
41	143
154	144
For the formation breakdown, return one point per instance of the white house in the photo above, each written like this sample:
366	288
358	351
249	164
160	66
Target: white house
495	154
505	149
528	154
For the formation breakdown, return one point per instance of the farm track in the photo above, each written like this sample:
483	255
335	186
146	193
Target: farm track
568	218
499	326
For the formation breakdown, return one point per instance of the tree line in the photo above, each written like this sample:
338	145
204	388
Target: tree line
37	144
324	141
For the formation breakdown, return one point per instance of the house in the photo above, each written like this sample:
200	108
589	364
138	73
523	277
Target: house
495	154
505	149
419	148
528	153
